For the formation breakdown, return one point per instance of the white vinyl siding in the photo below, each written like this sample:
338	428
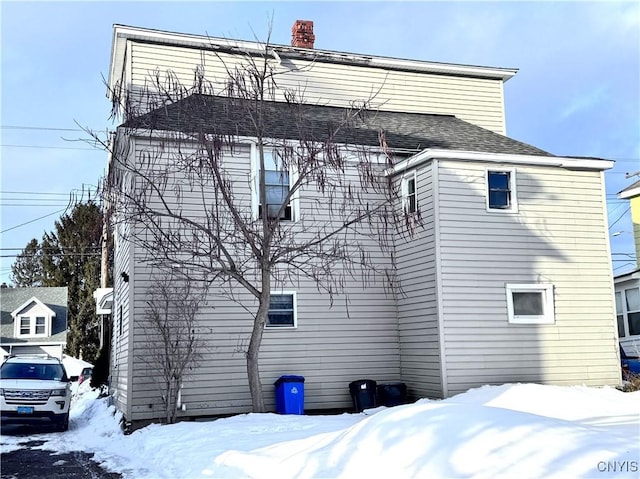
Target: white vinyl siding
558	237
417	307
121	341
478	101
332	345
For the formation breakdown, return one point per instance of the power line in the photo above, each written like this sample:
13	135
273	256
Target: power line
60	254
620	217
44	128
33	221
28	205
97	248
33	193
53	147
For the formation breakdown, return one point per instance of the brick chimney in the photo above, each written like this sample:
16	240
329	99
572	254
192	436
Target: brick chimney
302	34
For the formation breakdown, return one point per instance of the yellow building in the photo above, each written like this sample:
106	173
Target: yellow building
632	193
627	286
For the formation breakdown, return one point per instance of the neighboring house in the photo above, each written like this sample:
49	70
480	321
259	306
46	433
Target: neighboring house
104	305
508	279
627	285
34	321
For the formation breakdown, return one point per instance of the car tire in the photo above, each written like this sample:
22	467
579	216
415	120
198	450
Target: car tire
63	423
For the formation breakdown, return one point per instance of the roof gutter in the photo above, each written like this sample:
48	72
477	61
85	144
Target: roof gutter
570	163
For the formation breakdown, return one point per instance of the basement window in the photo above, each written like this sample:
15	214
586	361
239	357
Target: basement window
530	303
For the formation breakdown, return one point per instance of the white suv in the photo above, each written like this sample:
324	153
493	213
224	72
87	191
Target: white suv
33	388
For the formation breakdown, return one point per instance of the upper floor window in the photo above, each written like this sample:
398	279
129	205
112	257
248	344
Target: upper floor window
409	194
33	326
25	326
282	311
501	190
277	185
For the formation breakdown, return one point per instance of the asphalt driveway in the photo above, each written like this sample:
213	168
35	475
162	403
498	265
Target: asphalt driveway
31	463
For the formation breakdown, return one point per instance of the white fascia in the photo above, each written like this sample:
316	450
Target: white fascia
629	193
569	163
125	33
633	275
16	312
122	33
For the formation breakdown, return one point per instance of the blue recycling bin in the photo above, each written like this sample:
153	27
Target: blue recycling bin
290	395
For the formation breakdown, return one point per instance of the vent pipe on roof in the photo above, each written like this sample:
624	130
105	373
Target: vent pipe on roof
302	34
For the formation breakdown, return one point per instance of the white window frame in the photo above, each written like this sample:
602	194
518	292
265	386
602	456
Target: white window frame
295	311
546	289
33	319
405	192
513	204
621	314
255	184
626	311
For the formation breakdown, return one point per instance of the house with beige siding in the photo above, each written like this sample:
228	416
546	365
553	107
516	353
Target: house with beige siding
504	276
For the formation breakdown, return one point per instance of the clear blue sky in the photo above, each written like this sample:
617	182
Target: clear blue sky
577	91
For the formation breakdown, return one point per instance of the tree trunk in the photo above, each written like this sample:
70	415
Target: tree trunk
104	263
253	372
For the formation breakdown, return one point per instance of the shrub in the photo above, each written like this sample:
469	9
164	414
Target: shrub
100	375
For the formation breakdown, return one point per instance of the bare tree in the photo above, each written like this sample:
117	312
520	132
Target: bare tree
173	342
196	205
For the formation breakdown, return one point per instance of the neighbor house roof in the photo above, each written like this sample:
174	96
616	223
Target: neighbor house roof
55	298
412	132
630	191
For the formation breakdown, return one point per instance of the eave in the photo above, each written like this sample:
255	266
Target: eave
122	33
569	163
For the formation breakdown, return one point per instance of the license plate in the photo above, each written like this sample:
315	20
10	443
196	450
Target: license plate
25	410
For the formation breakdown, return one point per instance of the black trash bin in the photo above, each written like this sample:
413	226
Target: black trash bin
290	395
392	394
363	394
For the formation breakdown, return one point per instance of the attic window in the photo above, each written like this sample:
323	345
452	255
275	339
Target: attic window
33	326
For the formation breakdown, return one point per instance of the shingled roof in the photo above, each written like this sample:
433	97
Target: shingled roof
403	131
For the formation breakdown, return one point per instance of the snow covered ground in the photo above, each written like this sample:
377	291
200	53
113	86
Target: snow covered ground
519	430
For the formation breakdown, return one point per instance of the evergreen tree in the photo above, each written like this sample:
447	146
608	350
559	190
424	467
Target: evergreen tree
27	269
71	257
